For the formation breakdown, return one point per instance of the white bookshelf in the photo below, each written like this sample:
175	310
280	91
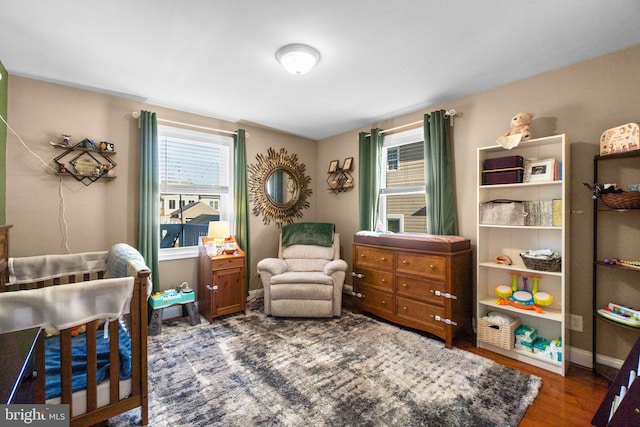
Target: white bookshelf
493	240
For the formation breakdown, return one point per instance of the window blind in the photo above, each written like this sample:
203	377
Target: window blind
193	162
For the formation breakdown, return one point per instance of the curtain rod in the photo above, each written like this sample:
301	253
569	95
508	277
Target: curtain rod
402	127
136	115
450	113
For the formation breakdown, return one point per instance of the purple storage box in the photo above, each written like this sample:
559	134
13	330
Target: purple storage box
504	162
512	176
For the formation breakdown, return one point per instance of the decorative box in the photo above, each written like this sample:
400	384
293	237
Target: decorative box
503	163
503	170
502	212
503	176
620	139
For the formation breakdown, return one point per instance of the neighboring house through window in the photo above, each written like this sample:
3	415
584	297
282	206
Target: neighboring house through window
196	174
402	187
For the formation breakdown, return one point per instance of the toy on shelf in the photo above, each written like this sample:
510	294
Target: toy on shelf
523	298
625	263
621	314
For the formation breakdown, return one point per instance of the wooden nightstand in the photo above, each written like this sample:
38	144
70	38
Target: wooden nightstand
221	282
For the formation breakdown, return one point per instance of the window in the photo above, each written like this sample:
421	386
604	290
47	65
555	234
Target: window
196	178
392	159
402	189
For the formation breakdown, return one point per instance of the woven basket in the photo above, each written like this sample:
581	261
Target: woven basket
624	200
502	336
553	265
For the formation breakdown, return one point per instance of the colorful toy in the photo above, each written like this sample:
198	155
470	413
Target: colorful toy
626	263
621	314
523	298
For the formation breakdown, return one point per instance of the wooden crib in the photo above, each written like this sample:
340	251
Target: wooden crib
95	405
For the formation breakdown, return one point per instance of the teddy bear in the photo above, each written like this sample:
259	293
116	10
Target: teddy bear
520	130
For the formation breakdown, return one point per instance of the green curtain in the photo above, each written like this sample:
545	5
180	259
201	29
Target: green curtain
241	200
148	217
370	152
441	203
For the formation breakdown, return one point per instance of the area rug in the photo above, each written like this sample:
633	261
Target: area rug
254	370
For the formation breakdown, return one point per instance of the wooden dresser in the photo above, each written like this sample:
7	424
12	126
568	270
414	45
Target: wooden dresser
423	282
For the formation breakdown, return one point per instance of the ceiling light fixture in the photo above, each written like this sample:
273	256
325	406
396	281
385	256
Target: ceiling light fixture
298	59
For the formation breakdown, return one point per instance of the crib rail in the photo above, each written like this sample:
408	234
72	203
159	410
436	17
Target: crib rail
72	278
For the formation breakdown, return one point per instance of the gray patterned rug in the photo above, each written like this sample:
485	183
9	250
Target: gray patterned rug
253	370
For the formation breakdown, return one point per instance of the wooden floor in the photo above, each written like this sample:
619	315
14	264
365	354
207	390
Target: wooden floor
562	401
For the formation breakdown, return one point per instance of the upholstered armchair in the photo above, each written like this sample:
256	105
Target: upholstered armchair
307	277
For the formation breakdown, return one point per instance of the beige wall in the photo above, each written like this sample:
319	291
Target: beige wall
104	213
582	101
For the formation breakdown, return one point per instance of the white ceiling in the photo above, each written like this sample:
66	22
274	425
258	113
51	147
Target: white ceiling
380	58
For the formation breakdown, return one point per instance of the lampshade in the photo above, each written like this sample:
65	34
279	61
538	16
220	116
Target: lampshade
218	229
298	58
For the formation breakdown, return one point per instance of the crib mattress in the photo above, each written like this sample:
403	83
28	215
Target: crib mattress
79	364
79	398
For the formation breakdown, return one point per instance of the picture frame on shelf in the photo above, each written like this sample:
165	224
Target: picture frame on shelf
348	164
539	170
333	166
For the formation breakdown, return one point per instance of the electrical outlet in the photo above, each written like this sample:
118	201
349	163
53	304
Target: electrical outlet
576	323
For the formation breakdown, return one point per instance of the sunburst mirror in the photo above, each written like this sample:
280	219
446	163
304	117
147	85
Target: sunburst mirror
278	187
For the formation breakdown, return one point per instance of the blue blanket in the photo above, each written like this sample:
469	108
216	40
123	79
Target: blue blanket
79	360
308	233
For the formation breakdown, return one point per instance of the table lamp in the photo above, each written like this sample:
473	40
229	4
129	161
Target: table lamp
219	231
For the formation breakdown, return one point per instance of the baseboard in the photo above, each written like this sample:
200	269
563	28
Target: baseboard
172	311
256	293
584	358
610	361
580	357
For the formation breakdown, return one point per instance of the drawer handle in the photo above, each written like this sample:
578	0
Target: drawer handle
404	285
383	280
404	262
431	266
383	302
404	308
363	256
383	259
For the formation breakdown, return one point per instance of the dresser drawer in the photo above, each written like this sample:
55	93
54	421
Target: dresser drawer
421	265
229	262
376	278
423	289
375	301
422	314
373	257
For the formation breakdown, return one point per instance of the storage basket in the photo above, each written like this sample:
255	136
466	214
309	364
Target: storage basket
624	200
553	264
497	334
